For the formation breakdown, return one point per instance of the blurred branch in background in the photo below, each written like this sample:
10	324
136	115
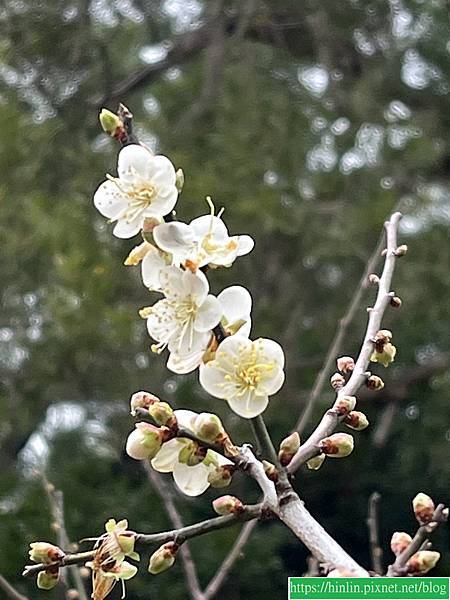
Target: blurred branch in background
374	533
10	592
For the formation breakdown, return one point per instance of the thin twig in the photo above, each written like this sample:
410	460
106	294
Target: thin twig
187	561
374	533
331	419
10	592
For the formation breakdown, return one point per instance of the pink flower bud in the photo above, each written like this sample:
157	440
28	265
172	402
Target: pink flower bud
344	404
45	553
227	505
337	445
423	507
315	462
400	541
220	477
208	427
345	364
142	400
337	381
356	420
163	558
144	442
423	561
288	448
162	414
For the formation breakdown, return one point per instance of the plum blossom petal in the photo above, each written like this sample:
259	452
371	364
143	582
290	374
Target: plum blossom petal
192	481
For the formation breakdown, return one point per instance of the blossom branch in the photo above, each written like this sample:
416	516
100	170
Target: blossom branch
10	592
331	418
398	568
372	523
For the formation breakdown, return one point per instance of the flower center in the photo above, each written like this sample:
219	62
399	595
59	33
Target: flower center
140	196
247	372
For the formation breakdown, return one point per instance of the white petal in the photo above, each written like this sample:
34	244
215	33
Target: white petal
248	406
272	383
236	303
185	418
207	224
163	204
192	481
162	171
172	283
212	379
245	244
175	238
209	314
126	229
185	363
134	163
109	200
271	350
151	266
232	346
196	286
167	457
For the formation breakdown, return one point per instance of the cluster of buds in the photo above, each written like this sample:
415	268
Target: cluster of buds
315	462
228	505
46	554
384	352
146	440
423	507
421	562
400	541
163	558
356	420
344	405
337	445
288	448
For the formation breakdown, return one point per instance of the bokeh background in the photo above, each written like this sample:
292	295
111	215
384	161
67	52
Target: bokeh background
308	121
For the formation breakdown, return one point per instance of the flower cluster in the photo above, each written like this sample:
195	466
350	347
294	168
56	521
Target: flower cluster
174	257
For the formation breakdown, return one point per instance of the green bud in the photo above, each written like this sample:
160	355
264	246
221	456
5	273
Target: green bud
179	181
191	454
208	427
227	505
162	413
144	442
43	552
315	462
337	445
162	559
110	122
46	580
220	477
356	420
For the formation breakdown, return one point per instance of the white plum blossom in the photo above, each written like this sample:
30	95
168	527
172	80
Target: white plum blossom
152	266
245	374
191	480
183	320
144	188
204	241
236	305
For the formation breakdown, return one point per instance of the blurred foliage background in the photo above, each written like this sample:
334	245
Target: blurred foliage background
308	122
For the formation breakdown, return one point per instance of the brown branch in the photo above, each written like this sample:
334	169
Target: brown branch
374	537
398	568
339	337
330	419
10	592
188	564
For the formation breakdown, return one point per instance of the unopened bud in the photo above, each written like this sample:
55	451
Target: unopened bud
191	454
46	580
270	470
220	477
356	420
423	561
401	250
374	383
179	180
110	122
288	448
344	404
162	414
383	336
142	400
137	254
395	302
423	507
208	427
315	462
144	442
400	541
228	505
163	558
337	381
337	445
45	553
374	279
386	356
345	364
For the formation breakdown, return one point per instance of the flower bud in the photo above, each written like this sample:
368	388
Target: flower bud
288	448
423	561
383	336
137	254
401	250
208	427
270	470
162	414
315	462
374	279
142	400
228	505
337	445
191	454
423	507
356	420
46	580
220	477
144	442
344	404
395	302
386	356
110	122
374	383
179	180
45	553
345	364
400	541
163	558
337	381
